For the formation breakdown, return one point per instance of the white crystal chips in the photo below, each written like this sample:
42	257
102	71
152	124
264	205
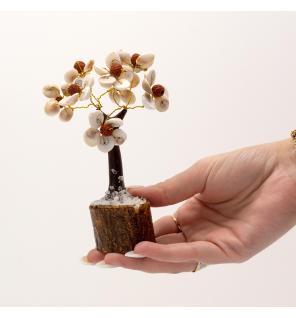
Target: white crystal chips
119	198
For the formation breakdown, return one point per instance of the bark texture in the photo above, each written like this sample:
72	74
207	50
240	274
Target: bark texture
119	228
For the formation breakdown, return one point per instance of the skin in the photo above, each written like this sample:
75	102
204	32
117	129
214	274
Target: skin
236	204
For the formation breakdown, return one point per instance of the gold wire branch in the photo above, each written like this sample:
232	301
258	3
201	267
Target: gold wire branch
116	109
80	107
116	102
134	107
95	101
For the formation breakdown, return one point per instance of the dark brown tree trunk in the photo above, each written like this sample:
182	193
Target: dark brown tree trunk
116	180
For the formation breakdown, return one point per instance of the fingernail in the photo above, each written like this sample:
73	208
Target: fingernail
85	261
132	254
134	187
102	264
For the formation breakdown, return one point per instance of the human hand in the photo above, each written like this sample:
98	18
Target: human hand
237	204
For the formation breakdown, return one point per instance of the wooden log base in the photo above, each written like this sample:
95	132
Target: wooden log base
118	228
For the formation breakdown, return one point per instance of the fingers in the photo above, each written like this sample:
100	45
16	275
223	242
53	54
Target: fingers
205	252
165	225
178	188
148	265
94	256
171	238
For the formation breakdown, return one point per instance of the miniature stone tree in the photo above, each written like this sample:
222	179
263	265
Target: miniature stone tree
120	221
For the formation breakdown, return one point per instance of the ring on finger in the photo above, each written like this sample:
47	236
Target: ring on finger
176	222
199	266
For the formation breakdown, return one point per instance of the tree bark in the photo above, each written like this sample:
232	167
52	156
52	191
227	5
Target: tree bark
116	179
118	229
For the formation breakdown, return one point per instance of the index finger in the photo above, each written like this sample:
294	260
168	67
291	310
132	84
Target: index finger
178	188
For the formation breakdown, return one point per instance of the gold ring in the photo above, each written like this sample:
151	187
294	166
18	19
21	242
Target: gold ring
198	267
176	222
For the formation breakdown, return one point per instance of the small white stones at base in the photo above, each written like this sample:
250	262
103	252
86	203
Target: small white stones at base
102	264
132	254
122	198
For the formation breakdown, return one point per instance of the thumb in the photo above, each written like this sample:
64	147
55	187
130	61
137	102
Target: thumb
178	188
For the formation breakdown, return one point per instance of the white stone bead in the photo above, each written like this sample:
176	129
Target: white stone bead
150	77
146	87
145	60
127	67
124	57
51	91
106	143
113	56
122	84
148	101
114	96
85	94
161	103
101	71
71	75
96	119
89	80
52	107
64	88
89	66
107	81
91	137
128	97
119	136
114	122
128	75
135	81
69	101
66	114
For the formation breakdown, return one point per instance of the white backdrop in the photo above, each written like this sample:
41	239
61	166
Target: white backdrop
231	78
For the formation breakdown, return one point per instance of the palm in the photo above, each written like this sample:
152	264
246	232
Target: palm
241	207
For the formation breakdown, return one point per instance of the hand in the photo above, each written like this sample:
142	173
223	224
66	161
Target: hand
237	204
